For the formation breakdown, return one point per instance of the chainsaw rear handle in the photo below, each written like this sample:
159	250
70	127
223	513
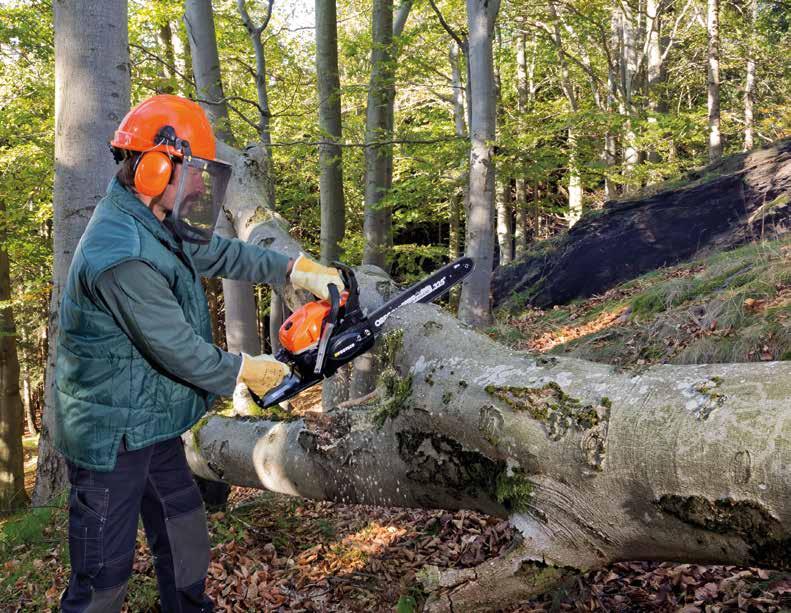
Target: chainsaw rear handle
350	281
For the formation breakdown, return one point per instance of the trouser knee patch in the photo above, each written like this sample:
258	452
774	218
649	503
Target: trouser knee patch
188	535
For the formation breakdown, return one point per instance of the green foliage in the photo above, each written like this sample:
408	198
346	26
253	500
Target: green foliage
429	161
406	604
28	540
27	97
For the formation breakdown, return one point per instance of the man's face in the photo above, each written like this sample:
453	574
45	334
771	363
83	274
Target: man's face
193	188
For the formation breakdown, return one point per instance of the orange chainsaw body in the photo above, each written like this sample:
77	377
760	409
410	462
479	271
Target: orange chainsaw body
302	330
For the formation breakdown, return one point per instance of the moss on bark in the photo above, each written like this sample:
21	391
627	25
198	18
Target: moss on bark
746	519
550	405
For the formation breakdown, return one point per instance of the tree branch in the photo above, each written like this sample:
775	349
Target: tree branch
462	43
155	57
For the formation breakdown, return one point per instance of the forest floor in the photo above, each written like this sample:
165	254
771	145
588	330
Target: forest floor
277	553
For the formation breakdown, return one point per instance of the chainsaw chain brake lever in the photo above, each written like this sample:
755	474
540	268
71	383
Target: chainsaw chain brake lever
329	324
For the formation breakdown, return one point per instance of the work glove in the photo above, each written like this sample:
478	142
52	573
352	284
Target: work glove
261	373
314	277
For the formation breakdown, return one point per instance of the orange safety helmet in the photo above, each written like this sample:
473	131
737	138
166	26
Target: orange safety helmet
165	129
157	127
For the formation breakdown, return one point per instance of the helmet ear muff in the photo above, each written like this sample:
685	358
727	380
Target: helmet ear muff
152	173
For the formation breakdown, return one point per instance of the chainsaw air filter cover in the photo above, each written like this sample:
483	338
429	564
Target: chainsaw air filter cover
302	330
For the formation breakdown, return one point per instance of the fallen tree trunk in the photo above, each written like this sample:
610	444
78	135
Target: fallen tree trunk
678	463
739	199
591	464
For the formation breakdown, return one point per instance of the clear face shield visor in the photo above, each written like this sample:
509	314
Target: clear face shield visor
199	198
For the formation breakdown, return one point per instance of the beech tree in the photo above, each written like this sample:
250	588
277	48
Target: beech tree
377	227
592	465
241	327
12	472
713	79
474	307
333	213
91	98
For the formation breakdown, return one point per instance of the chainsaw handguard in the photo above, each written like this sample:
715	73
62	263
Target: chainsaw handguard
292	385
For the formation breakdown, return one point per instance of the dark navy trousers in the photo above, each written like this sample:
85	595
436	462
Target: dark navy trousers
104	507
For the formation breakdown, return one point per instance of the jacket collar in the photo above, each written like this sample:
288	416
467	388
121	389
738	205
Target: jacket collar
131	204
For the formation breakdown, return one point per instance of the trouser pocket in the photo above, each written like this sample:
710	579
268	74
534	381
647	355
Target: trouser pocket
87	516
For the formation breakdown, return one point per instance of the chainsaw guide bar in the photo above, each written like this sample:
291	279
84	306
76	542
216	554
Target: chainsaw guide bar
322	336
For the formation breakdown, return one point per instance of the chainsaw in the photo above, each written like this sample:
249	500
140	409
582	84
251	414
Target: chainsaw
321	336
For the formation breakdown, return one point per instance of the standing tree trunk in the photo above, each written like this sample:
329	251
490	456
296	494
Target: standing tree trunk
575	181
12	466
91	98
199	19
610	143
654	73
628	63
241	329
377	227
503	197
28	404
276	310
333	212
522	218
459	198
713	79
264	133
183	57
474	306
167	67
749	85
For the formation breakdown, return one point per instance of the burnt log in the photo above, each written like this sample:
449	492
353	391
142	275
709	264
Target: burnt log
741	198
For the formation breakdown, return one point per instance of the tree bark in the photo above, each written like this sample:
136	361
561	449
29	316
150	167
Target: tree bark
199	19
264	113
610	143
165	40
241	326
654	73
749	85
713	79
521	222
91	98
377	226
181	50
333	211
503	200
592	466
628	64
458	202
739	199
575	180
474	305
27	402
504	205
12	469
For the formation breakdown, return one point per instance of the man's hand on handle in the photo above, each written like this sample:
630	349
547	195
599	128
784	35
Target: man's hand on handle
314	277
261	373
